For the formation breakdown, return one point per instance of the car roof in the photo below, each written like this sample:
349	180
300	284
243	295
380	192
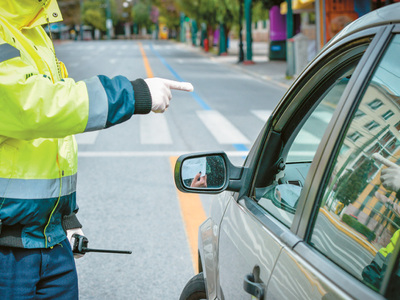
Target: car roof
389	14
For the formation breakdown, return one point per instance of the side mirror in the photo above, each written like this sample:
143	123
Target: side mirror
209	173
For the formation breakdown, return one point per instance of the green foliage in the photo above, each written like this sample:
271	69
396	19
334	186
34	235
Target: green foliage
169	13
94	13
96	19
351	184
359	227
141	13
267	4
260	13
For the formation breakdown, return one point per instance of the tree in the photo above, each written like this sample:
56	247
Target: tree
351	184
94	13
141	14
169	13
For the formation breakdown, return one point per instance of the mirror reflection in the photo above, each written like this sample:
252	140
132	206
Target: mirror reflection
207	172
282	196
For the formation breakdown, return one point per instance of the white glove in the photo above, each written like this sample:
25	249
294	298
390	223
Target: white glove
160	90
70	233
390	176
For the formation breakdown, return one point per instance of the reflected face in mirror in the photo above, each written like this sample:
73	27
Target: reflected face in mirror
207	172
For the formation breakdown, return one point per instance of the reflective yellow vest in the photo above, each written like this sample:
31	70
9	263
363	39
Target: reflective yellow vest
40	110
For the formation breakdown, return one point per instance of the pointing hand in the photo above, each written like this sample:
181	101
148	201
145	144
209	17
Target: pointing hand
160	90
390	176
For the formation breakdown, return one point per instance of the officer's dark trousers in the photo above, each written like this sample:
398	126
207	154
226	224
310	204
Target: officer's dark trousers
38	273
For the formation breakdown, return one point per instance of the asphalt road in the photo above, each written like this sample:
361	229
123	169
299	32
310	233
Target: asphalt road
126	192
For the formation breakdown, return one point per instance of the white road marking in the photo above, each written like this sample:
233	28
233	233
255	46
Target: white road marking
148	153
263	115
154	130
222	129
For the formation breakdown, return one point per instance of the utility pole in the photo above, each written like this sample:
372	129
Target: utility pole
249	41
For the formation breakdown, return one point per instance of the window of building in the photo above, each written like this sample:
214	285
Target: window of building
375	104
387	115
371	125
354	136
359	114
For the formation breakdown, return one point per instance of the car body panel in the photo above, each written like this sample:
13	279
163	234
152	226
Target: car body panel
208	243
242	244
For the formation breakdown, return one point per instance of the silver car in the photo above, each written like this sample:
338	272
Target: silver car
314	212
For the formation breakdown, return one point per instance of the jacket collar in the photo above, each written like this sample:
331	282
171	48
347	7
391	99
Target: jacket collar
25	14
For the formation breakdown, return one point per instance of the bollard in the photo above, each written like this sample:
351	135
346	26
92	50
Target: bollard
206	45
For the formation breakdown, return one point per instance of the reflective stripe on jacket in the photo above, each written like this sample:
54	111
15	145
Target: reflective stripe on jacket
40	111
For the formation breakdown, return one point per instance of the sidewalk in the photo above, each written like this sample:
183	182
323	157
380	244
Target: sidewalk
273	71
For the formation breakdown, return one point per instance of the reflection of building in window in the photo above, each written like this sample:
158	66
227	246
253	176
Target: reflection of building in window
397	126
371	125
379	103
375	104
354	136
387	115
359	114
359	139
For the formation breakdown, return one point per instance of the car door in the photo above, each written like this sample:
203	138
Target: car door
263	220
350	220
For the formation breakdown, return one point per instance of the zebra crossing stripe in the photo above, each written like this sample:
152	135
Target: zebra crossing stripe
154	130
223	130
263	115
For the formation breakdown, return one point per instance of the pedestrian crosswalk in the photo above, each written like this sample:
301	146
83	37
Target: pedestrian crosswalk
155	129
221	128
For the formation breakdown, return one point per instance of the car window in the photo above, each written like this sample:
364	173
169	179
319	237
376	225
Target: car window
357	224
307	140
280	199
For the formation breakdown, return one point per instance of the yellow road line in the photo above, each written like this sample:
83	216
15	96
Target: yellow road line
193	215
146	62
191	208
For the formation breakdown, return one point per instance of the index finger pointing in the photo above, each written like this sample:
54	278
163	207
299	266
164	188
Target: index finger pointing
177	85
381	159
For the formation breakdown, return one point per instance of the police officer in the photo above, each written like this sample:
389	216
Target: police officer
40	111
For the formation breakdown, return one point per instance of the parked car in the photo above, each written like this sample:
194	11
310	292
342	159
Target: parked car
308	215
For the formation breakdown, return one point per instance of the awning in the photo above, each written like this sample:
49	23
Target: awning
298	6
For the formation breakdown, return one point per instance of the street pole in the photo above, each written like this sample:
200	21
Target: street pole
222	40
289	43
182	26
241	53
81	25
249	42
108	20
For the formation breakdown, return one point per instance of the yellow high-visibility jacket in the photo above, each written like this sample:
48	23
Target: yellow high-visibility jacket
40	111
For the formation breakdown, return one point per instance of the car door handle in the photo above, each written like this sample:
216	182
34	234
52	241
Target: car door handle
253	288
